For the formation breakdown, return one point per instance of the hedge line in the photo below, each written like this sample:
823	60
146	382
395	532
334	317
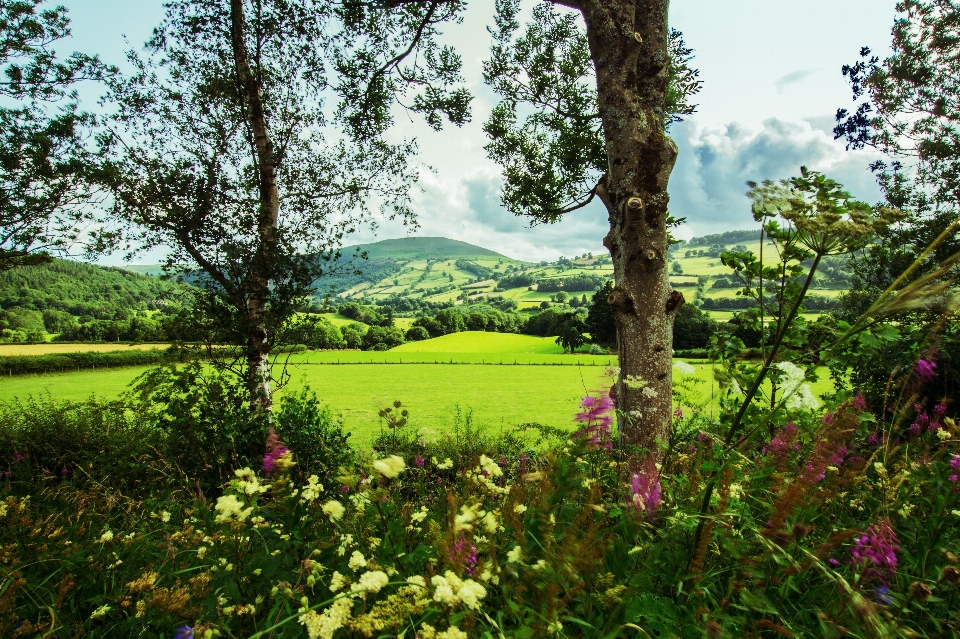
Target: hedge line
56	362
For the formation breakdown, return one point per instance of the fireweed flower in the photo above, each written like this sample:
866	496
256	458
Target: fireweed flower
645	489
925	369
596	420
876	552
275	450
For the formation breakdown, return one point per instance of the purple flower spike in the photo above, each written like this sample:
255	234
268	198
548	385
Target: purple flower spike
645	489
876	551
926	369
275	450
596	420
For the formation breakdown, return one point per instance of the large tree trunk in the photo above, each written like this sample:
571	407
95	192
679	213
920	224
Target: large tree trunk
628	42
264	260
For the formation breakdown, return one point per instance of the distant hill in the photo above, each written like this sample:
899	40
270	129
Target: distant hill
423	248
81	289
144	269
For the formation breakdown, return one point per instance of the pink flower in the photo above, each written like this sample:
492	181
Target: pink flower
876	551
275	450
645	489
783	440
926	368
596	419
419	461
678	413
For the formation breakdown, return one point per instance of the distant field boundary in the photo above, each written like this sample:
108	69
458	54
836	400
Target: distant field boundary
11	365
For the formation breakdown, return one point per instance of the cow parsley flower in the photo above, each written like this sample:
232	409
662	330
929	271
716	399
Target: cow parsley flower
231	508
357	561
799	394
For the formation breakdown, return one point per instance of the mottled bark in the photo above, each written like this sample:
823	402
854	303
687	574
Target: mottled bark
628	43
262	267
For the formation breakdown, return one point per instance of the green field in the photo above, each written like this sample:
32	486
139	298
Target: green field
503	379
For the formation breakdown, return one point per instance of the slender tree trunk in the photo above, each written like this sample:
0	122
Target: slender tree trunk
628	42
264	261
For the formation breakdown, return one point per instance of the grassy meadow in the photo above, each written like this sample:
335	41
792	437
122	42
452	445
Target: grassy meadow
501	379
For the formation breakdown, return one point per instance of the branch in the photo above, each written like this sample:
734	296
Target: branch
574	207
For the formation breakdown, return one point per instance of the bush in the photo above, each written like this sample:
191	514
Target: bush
54	363
416	334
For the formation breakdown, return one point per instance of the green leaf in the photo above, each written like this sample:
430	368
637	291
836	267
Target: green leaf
757	602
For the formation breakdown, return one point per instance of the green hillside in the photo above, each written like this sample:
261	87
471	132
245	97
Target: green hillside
423	248
81	289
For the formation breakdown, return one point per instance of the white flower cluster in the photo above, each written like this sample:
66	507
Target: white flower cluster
312	490
229	508
799	396
683	368
451	590
473	514
390	466
248	483
445	464
333	509
485	474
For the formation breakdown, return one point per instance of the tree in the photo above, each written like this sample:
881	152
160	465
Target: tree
600	94
44	161
911	100
251	139
692	328
600	321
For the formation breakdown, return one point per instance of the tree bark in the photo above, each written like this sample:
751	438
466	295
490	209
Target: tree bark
264	259
628	43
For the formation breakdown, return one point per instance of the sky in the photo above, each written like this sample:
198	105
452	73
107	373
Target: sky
772	81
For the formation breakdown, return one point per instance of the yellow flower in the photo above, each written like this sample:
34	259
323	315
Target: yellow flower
230	507
372	581
357	561
107	536
520	509
100	612
164	516
446	463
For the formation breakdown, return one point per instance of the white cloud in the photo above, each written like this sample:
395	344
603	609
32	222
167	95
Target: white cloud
708	184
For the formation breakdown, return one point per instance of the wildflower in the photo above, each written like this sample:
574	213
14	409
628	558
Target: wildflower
445	464
323	626
371	581
184	632
799	395
164	516
555	627
451	590
333	509
645	487
420	515
312	490
419	461
920	591
926	368
248	483
683	368
783	440
515	555
596	419
106	537
275	450
357	561
230	507
678	412
100	612
337	582
390	466
520	509
876	551
467	515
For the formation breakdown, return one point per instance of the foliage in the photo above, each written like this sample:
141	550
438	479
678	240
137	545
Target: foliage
574	283
910	100
224	148
45	165
546	131
692	328
600	323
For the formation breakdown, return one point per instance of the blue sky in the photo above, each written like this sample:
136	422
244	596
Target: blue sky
772	82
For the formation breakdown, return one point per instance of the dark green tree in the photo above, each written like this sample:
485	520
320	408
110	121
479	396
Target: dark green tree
692	328
44	161
587	96
600	321
251	140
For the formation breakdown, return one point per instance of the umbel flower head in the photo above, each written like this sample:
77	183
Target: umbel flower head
827	218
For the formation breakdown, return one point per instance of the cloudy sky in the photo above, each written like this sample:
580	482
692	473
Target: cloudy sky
772	82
